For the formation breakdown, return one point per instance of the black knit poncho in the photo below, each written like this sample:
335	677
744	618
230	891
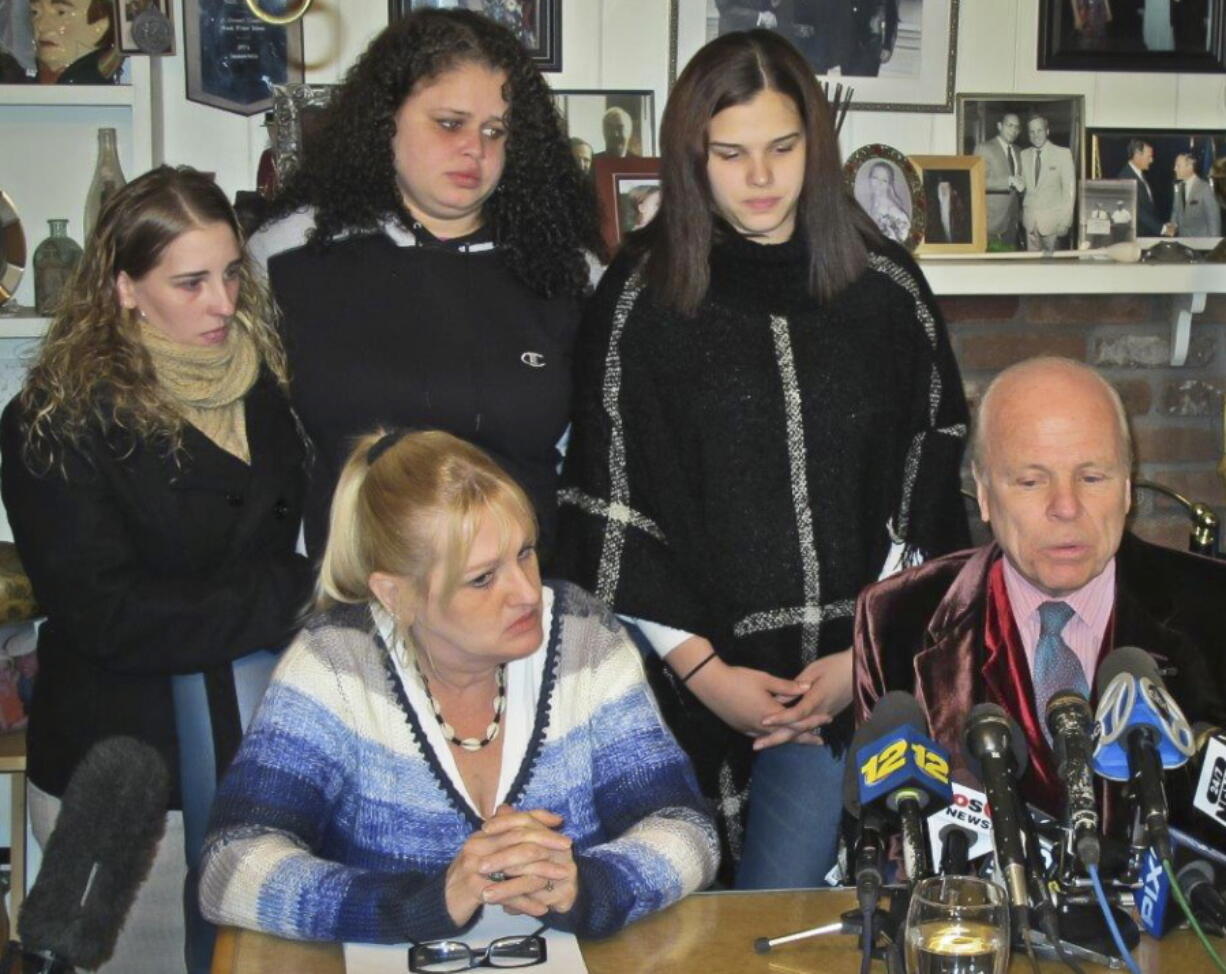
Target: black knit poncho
742	473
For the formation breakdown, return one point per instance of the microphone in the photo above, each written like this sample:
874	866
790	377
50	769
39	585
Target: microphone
903	772
1196	881
1071	724
111	819
867	865
955	842
996	755
1140	731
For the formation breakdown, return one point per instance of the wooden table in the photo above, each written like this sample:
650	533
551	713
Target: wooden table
708	933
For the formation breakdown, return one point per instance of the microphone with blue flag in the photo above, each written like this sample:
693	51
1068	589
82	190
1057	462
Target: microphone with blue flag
1140	732
903	773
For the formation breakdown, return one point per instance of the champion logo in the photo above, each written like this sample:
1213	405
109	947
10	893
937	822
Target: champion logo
534	359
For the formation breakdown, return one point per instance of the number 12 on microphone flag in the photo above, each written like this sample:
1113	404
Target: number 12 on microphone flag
904	758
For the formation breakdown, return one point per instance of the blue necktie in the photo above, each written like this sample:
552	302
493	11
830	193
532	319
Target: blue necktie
1056	667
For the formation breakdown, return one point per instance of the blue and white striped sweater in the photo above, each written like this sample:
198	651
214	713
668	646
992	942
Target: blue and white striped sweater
336	821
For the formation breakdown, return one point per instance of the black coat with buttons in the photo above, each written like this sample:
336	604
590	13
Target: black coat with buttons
146	568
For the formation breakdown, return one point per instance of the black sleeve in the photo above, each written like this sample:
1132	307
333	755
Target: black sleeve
931	518
76	544
613	526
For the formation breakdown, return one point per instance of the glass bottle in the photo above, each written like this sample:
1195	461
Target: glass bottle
54	261
108	177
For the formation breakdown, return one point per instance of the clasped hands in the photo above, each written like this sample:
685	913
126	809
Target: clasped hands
525	848
773	710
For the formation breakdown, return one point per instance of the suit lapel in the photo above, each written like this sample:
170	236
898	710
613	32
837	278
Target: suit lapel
947	669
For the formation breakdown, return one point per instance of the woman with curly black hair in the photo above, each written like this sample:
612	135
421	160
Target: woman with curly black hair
430	252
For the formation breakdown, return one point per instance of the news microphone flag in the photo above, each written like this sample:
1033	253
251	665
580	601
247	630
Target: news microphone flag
1210	796
904	759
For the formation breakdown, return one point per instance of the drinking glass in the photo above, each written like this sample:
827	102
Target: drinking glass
957	925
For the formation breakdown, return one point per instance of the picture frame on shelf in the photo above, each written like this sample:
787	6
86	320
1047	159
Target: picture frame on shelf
899	56
1108	157
296	111
956	221
233	59
888	188
602	122
12	248
1025	210
536	23
145	27
1108	35
60	43
628	194
1108	213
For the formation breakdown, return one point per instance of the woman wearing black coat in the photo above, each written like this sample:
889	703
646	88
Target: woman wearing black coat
153	476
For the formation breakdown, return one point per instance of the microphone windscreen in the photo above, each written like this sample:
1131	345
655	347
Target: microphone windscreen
851	774
987	713
111	819
1068	699
1126	659
896	709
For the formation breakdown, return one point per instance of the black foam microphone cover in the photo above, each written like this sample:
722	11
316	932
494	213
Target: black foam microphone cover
112	816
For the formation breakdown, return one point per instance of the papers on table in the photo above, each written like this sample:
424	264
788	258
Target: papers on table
562	954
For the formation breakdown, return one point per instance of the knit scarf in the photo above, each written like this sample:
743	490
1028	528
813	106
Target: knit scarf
207	383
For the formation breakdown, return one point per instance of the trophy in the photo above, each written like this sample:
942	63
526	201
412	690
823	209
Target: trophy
1217	177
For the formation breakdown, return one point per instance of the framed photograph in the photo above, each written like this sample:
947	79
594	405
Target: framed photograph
1172	170
628	191
1033	148
537	23
1108	212
1119	35
898	55
145	27
234	59
619	124
296	111
888	188
953	190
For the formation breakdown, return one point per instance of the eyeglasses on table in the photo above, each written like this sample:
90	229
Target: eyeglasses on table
447	956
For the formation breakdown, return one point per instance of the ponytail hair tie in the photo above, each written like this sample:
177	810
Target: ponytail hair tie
385	443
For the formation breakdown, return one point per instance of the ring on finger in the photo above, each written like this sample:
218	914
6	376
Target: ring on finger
549	886
498	876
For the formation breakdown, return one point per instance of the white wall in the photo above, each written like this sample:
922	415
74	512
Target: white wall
624	44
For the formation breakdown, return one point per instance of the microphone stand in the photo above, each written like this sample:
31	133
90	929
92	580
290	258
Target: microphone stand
888	922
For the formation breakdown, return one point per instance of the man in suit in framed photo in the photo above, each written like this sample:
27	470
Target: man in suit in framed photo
1140	158
1003	178
1195	212
1051	188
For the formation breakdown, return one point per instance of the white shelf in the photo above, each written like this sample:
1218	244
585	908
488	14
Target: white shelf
1070	276
24	323
66	95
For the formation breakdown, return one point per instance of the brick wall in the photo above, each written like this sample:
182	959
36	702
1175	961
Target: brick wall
1176	413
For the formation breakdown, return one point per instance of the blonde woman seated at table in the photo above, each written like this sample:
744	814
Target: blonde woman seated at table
448	734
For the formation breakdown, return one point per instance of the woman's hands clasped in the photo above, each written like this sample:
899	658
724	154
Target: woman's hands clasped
768	708
526	848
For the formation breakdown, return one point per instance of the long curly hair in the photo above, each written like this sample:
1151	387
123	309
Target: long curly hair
543	212
92	371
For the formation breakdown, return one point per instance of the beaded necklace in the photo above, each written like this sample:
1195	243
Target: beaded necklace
491	732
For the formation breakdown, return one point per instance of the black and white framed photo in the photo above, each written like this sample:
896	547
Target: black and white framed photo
898	55
617	124
537	23
887	187
1108	213
234	59
1171	168
1130	35
953	191
145	27
1032	147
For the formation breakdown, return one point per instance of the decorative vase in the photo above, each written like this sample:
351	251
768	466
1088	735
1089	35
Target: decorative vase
54	261
108	178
